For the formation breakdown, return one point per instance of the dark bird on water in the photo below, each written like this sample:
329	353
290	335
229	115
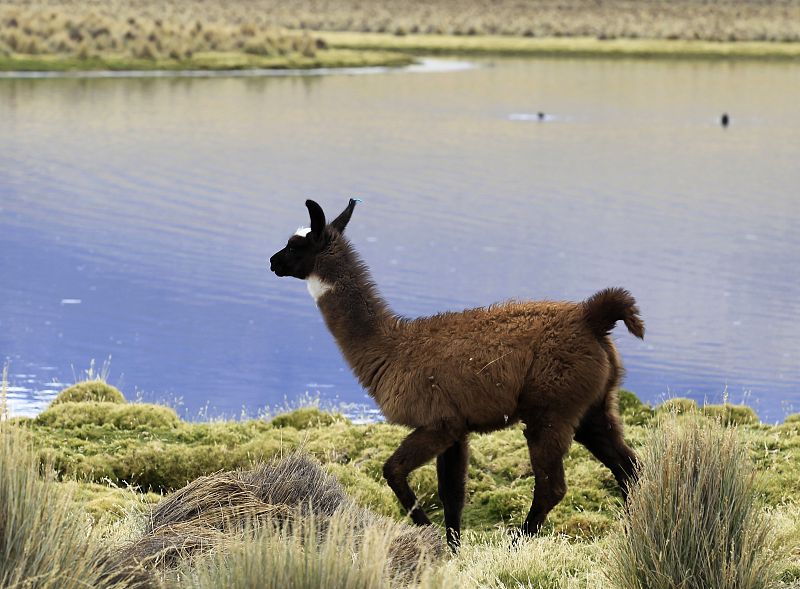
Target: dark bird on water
724	119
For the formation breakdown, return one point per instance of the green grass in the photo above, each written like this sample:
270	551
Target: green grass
148	446
100	449
90	390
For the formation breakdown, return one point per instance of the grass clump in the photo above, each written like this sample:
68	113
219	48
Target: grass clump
72	415
726	413
693	519
306	417
301	555
730	414
632	410
45	541
242	516
89	390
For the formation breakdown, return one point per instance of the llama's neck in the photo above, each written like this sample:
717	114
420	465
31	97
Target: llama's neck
357	316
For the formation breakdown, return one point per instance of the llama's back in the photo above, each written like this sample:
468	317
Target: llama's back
476	365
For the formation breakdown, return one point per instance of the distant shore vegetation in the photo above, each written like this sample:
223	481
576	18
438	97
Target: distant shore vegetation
87	36
214	34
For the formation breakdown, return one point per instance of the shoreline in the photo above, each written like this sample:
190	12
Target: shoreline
348	50
339	58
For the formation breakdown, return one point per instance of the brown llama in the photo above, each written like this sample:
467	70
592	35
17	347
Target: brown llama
551	365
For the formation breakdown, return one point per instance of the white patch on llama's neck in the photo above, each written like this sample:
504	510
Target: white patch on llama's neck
316	287
303	231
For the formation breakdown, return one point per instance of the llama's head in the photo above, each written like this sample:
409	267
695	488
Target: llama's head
308	250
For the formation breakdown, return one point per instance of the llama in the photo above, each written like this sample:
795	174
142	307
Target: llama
551	365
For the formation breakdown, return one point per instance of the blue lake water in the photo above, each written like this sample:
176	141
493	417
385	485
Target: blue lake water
137	216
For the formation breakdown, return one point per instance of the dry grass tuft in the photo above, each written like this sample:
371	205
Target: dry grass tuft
44	541
305	554
212	510
693	520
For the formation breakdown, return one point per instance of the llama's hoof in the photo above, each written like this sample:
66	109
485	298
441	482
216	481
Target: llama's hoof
517	537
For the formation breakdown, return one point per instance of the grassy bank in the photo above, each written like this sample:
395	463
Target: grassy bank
116	458
498	45
43	37
59	35
205	61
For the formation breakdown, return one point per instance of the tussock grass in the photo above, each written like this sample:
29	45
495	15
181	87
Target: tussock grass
45	542
111	414
300	555
89	390
202	515
726	413
693	520
4	393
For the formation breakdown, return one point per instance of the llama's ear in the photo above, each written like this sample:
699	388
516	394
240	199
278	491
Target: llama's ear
340	222
317	218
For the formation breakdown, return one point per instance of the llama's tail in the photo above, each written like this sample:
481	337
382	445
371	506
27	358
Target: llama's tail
604	308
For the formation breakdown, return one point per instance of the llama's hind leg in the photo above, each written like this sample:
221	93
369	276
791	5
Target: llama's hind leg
548	442
600	431
421	446
451	471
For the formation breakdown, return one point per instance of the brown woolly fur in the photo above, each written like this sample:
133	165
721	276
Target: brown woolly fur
213	509
548	364
605	308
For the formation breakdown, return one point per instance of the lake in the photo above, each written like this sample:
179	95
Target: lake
137	216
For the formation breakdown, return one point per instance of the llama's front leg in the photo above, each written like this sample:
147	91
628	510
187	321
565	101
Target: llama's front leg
421	446
451	470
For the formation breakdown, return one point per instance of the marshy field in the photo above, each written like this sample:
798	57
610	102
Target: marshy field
191	34
132	496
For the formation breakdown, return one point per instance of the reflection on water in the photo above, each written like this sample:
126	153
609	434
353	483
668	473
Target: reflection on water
137	216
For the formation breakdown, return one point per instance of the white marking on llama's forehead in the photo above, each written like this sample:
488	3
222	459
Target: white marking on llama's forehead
303	231
316	287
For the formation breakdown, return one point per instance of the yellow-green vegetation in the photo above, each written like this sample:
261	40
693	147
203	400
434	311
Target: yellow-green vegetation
278	557
693	520
569	46
94	444
725	20
150	447
216	34
44	542
111	36
89	390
